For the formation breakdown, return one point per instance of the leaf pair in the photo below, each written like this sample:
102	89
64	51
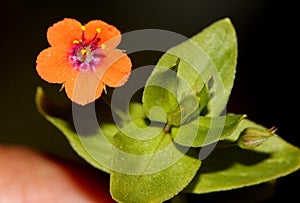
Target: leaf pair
187	81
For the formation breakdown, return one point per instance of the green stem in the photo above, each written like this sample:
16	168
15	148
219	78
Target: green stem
121	114
167	128
226	144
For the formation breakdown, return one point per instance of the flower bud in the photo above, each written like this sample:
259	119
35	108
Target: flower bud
253	137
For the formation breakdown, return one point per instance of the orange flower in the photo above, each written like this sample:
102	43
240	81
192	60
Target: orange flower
83	59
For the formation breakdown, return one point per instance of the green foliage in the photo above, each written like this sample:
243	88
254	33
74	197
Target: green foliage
154	155
234	167
205	130
95	148
159	172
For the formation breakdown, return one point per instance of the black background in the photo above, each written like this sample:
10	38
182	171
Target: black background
266	85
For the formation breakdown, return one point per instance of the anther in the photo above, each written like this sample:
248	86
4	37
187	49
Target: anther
83	51
75	41
103	46
83	28
98	30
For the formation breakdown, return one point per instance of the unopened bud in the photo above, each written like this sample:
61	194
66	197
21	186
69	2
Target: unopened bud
253	137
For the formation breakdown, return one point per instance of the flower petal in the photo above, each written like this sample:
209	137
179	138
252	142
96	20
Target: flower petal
85	88
116	68
109	34
64	32
53	65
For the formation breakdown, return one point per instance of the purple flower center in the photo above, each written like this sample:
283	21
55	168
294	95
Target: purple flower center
86	55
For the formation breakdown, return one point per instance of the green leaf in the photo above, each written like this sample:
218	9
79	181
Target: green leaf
220	43
230	168
136	111
95	148
206	130
172	96
210	55
152	170
160	94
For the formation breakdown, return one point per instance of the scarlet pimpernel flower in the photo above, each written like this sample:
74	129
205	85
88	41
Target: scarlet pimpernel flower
84	59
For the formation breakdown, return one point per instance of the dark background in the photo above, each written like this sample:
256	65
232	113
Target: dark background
266	85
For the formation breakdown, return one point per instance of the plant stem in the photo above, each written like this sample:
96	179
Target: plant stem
167	128
121	114
226	144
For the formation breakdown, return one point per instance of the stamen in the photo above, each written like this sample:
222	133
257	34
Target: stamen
98	30
86	54
83	28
